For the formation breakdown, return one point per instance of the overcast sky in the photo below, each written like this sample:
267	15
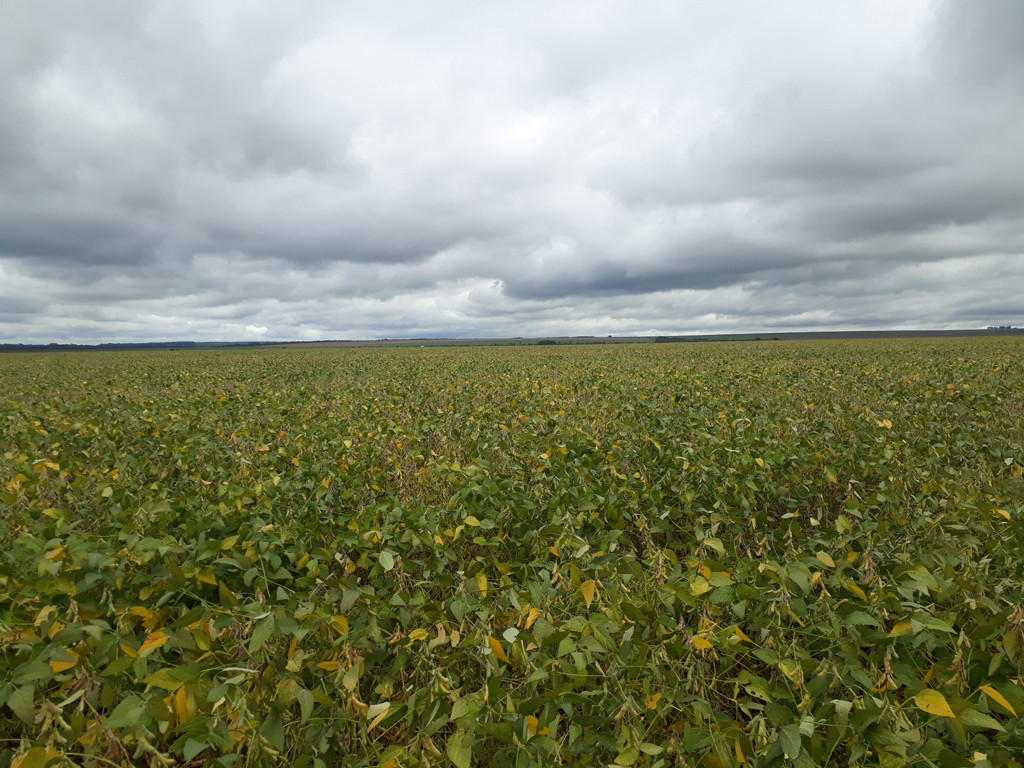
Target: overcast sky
319	169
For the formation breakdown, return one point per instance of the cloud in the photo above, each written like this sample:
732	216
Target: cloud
176	170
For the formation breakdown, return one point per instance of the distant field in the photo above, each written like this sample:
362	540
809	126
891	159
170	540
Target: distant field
567	340
752	553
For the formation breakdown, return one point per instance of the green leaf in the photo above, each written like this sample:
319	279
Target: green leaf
351	678
192	748
273	730
37	757
31	671
261	632
20	702
789	737
306	701
386	559
931	622
460	748
162	679
860	618
976	719
128	713
627	756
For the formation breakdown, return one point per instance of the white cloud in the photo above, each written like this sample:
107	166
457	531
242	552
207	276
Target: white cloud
181	170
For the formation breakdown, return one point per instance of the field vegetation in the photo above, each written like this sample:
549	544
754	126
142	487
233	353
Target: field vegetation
760	554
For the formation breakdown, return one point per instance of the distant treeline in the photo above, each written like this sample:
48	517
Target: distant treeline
124	345
670	339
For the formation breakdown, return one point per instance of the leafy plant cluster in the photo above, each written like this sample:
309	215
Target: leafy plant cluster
802	554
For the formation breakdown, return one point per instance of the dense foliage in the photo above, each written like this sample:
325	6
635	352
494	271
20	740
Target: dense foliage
780	553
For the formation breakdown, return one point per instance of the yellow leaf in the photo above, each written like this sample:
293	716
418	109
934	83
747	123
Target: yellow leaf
328	666
760	462
1002	513
532	726
741	634
481	582
740	757
699	587
715	544
791	670
855	589
472	521
999	699
587	589
130	652
826	559
531	618
44	614
62	665
700	643
155	640
418	634
934	703
553	551
181	707
207	577
651	702
902	628
340	623
496	649
34	757
357	705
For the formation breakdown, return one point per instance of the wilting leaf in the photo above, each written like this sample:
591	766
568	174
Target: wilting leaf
531	617
154	640
587	589
496	649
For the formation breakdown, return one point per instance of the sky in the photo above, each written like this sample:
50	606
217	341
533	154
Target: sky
321	169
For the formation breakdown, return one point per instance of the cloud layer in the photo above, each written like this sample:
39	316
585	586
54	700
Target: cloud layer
181	169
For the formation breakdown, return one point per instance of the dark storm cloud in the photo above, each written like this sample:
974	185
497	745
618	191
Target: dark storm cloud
698	266
195	170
